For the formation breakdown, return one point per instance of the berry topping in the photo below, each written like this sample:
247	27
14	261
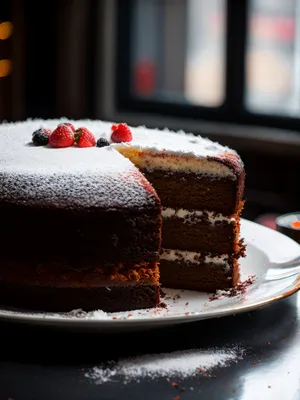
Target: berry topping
40	137
62	136
47	131
69	125
121	133
102	142
84	138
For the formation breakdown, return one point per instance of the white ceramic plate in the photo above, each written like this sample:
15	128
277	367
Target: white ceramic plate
273	258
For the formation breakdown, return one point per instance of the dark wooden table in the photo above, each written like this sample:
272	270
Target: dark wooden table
44	364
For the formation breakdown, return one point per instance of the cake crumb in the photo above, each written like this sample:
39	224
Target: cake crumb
176	297
114	318
176	398
239	289
162	304
129	315
187	303
174	384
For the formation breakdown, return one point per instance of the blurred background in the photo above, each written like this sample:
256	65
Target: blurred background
226	69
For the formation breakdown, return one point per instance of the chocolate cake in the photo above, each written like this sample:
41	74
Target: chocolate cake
81	227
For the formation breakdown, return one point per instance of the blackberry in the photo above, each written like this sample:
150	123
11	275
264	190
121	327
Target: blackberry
102	142
40	138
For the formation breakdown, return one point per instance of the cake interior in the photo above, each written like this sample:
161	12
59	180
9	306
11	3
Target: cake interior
201	207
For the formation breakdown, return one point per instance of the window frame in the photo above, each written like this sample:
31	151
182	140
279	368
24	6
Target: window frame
232	111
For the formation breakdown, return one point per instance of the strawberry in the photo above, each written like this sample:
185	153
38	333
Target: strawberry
84	138
121	133
62	136
69	125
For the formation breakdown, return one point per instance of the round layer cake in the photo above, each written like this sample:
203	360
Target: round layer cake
82	227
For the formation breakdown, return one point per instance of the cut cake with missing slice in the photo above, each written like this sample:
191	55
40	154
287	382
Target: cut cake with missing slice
81	228
201	187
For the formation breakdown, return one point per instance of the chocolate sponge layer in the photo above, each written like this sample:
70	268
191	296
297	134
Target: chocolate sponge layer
205	277
79	238
55	299
63	289
195	191
202	236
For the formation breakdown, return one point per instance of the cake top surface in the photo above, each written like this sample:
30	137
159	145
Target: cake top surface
178	143
89	176
156	140
67	177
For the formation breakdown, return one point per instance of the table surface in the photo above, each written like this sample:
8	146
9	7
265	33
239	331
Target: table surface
42	363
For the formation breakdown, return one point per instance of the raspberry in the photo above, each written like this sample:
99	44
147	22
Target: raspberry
40	137
62	136
84	138
69	125
121	133
102	142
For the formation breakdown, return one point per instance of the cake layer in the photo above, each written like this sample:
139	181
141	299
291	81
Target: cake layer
202	276
200	231
51	275
195	191
66	299
63	289
79	238
164	160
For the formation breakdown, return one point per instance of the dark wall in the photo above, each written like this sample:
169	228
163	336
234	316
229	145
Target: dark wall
52	54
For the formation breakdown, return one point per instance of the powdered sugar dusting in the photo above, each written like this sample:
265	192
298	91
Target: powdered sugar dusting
85	177
179	364
170	142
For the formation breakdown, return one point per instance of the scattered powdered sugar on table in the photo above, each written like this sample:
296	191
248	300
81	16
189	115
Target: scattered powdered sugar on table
180	364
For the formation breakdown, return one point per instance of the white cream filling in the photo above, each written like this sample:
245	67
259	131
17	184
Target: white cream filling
192	216
194	258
